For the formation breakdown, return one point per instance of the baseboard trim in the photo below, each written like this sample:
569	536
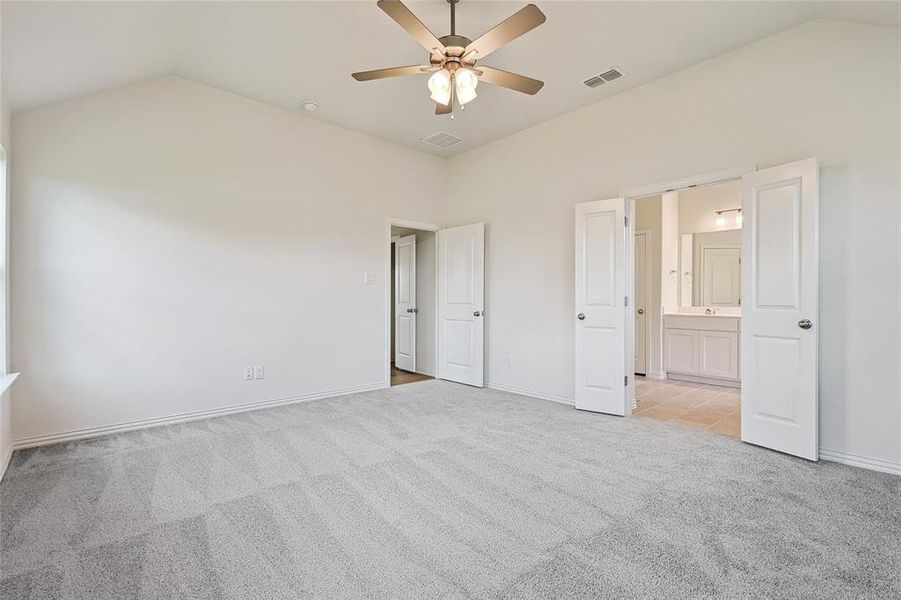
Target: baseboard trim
78	434
706	380
429	372
874	464
4	463
532	394
655	375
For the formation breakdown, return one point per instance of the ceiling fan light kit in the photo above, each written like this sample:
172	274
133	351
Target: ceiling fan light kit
452	58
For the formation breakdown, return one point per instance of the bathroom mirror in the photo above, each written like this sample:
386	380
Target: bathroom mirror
710	268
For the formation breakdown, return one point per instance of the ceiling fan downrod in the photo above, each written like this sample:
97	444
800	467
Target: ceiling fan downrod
453	4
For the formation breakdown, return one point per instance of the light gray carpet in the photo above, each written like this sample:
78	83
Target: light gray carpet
434	490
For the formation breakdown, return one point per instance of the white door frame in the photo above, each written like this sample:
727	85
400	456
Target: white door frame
631	196
397	222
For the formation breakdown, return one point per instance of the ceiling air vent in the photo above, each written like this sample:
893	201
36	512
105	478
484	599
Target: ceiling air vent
605	77
442	139
594	82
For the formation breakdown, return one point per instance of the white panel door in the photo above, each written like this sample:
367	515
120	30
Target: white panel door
600	307
779	315
405	303
641	302
721	276
461	308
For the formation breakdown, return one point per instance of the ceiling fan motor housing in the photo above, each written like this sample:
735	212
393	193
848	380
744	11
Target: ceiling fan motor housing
455	46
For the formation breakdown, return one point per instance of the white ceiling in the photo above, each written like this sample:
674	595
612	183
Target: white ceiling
283	52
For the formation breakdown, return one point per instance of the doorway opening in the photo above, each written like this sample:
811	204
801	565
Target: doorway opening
687	306
412	304
773	328
434	302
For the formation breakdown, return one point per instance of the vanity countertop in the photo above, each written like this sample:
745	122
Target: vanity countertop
728	313
714	316
702	322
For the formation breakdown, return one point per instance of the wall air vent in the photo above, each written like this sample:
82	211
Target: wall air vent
442	139
606	77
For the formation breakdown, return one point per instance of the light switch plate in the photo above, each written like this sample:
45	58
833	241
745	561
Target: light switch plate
258	372
368	278
248	373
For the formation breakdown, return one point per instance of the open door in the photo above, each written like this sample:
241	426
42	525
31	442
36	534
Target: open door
405	303
461	309
641	303
779	408
600	311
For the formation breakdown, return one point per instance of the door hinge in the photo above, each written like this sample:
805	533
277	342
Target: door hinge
626	381
627	300
625	221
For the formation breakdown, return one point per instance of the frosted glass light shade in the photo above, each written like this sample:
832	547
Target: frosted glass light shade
440	86
466	82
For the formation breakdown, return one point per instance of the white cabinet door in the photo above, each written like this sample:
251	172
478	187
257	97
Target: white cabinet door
601	307
405	303
461	297
680	349
718	354
779	317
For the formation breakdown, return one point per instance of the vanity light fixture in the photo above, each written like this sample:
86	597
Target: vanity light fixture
721	220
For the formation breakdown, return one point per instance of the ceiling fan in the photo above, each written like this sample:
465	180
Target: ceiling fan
453	58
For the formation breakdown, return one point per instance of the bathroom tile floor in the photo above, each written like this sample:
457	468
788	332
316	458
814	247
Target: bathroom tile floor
711	407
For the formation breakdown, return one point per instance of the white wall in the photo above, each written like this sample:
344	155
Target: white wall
768	103
167	234
4	107
5	398
698	206
669	249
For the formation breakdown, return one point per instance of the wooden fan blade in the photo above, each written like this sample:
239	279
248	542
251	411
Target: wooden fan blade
406	19
506	31
520	83
392	72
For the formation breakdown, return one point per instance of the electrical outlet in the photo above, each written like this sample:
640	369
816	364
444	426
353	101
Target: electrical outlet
258	372
248	373
509	360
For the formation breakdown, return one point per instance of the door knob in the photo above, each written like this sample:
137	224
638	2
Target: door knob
805	324
416	311
581	316
477	313
641	311
409	310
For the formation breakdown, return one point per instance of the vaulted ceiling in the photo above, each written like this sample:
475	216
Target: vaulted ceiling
283	52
